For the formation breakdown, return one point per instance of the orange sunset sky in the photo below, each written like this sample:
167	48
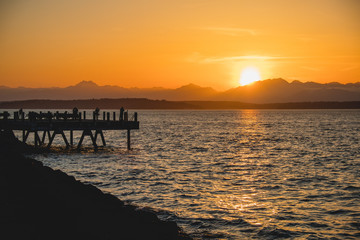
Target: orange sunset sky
166	43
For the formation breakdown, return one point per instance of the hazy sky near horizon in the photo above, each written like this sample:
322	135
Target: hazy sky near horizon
165	43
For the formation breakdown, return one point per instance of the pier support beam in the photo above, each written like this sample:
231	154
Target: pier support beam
87	133
44	136
128	139
62	134
37	139
100	132
25	135
71	137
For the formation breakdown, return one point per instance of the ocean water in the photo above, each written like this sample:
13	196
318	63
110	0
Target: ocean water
247	174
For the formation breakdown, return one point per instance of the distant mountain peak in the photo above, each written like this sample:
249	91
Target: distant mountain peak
85	83
194	87
275	81
190	86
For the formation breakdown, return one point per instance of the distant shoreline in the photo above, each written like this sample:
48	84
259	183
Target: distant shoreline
143	103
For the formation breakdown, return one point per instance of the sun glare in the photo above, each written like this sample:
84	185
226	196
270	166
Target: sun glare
249	75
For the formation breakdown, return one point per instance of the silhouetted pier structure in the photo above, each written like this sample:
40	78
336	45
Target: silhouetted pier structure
46	125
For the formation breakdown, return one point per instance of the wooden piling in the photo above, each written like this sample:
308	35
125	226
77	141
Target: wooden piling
128	139
43	138
87	133
71	137
63	136
100	132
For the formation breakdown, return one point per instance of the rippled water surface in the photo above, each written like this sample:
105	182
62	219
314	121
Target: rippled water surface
251	174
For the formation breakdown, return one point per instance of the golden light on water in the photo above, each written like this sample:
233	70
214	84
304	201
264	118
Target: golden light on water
249	75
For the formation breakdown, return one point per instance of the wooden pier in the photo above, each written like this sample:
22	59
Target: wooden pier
46	125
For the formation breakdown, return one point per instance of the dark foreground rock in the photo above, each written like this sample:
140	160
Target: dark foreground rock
37	202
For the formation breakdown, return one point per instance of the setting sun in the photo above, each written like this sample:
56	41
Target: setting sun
249	75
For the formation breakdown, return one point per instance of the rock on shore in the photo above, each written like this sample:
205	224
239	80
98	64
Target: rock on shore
38	202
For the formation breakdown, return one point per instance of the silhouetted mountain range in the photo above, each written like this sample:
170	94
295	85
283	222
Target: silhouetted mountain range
267	91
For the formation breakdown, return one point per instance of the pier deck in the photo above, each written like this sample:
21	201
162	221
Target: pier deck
51	124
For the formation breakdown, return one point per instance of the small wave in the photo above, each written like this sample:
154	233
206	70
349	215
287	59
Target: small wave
339	212
136	171
105	184
355	225
211	235
159	183
275	233
129	179
328	196
307	179
272	187
238	222
90	175
317	225
351	188
268	165
209	222
199	149
292	216
187	196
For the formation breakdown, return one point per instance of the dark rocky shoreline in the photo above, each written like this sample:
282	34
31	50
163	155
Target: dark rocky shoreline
38	202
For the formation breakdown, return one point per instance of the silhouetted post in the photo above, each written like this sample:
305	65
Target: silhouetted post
114	116
135	116
65	115
16	116
44	136
26	136
121	113
100	132
84	115
108	116
49	116
104	115
128	139
75	113
21	114
126	116
71	137
35	139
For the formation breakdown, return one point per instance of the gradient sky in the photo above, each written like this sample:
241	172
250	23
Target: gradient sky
165	43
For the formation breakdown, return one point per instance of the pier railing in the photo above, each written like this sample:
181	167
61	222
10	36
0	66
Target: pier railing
51	124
